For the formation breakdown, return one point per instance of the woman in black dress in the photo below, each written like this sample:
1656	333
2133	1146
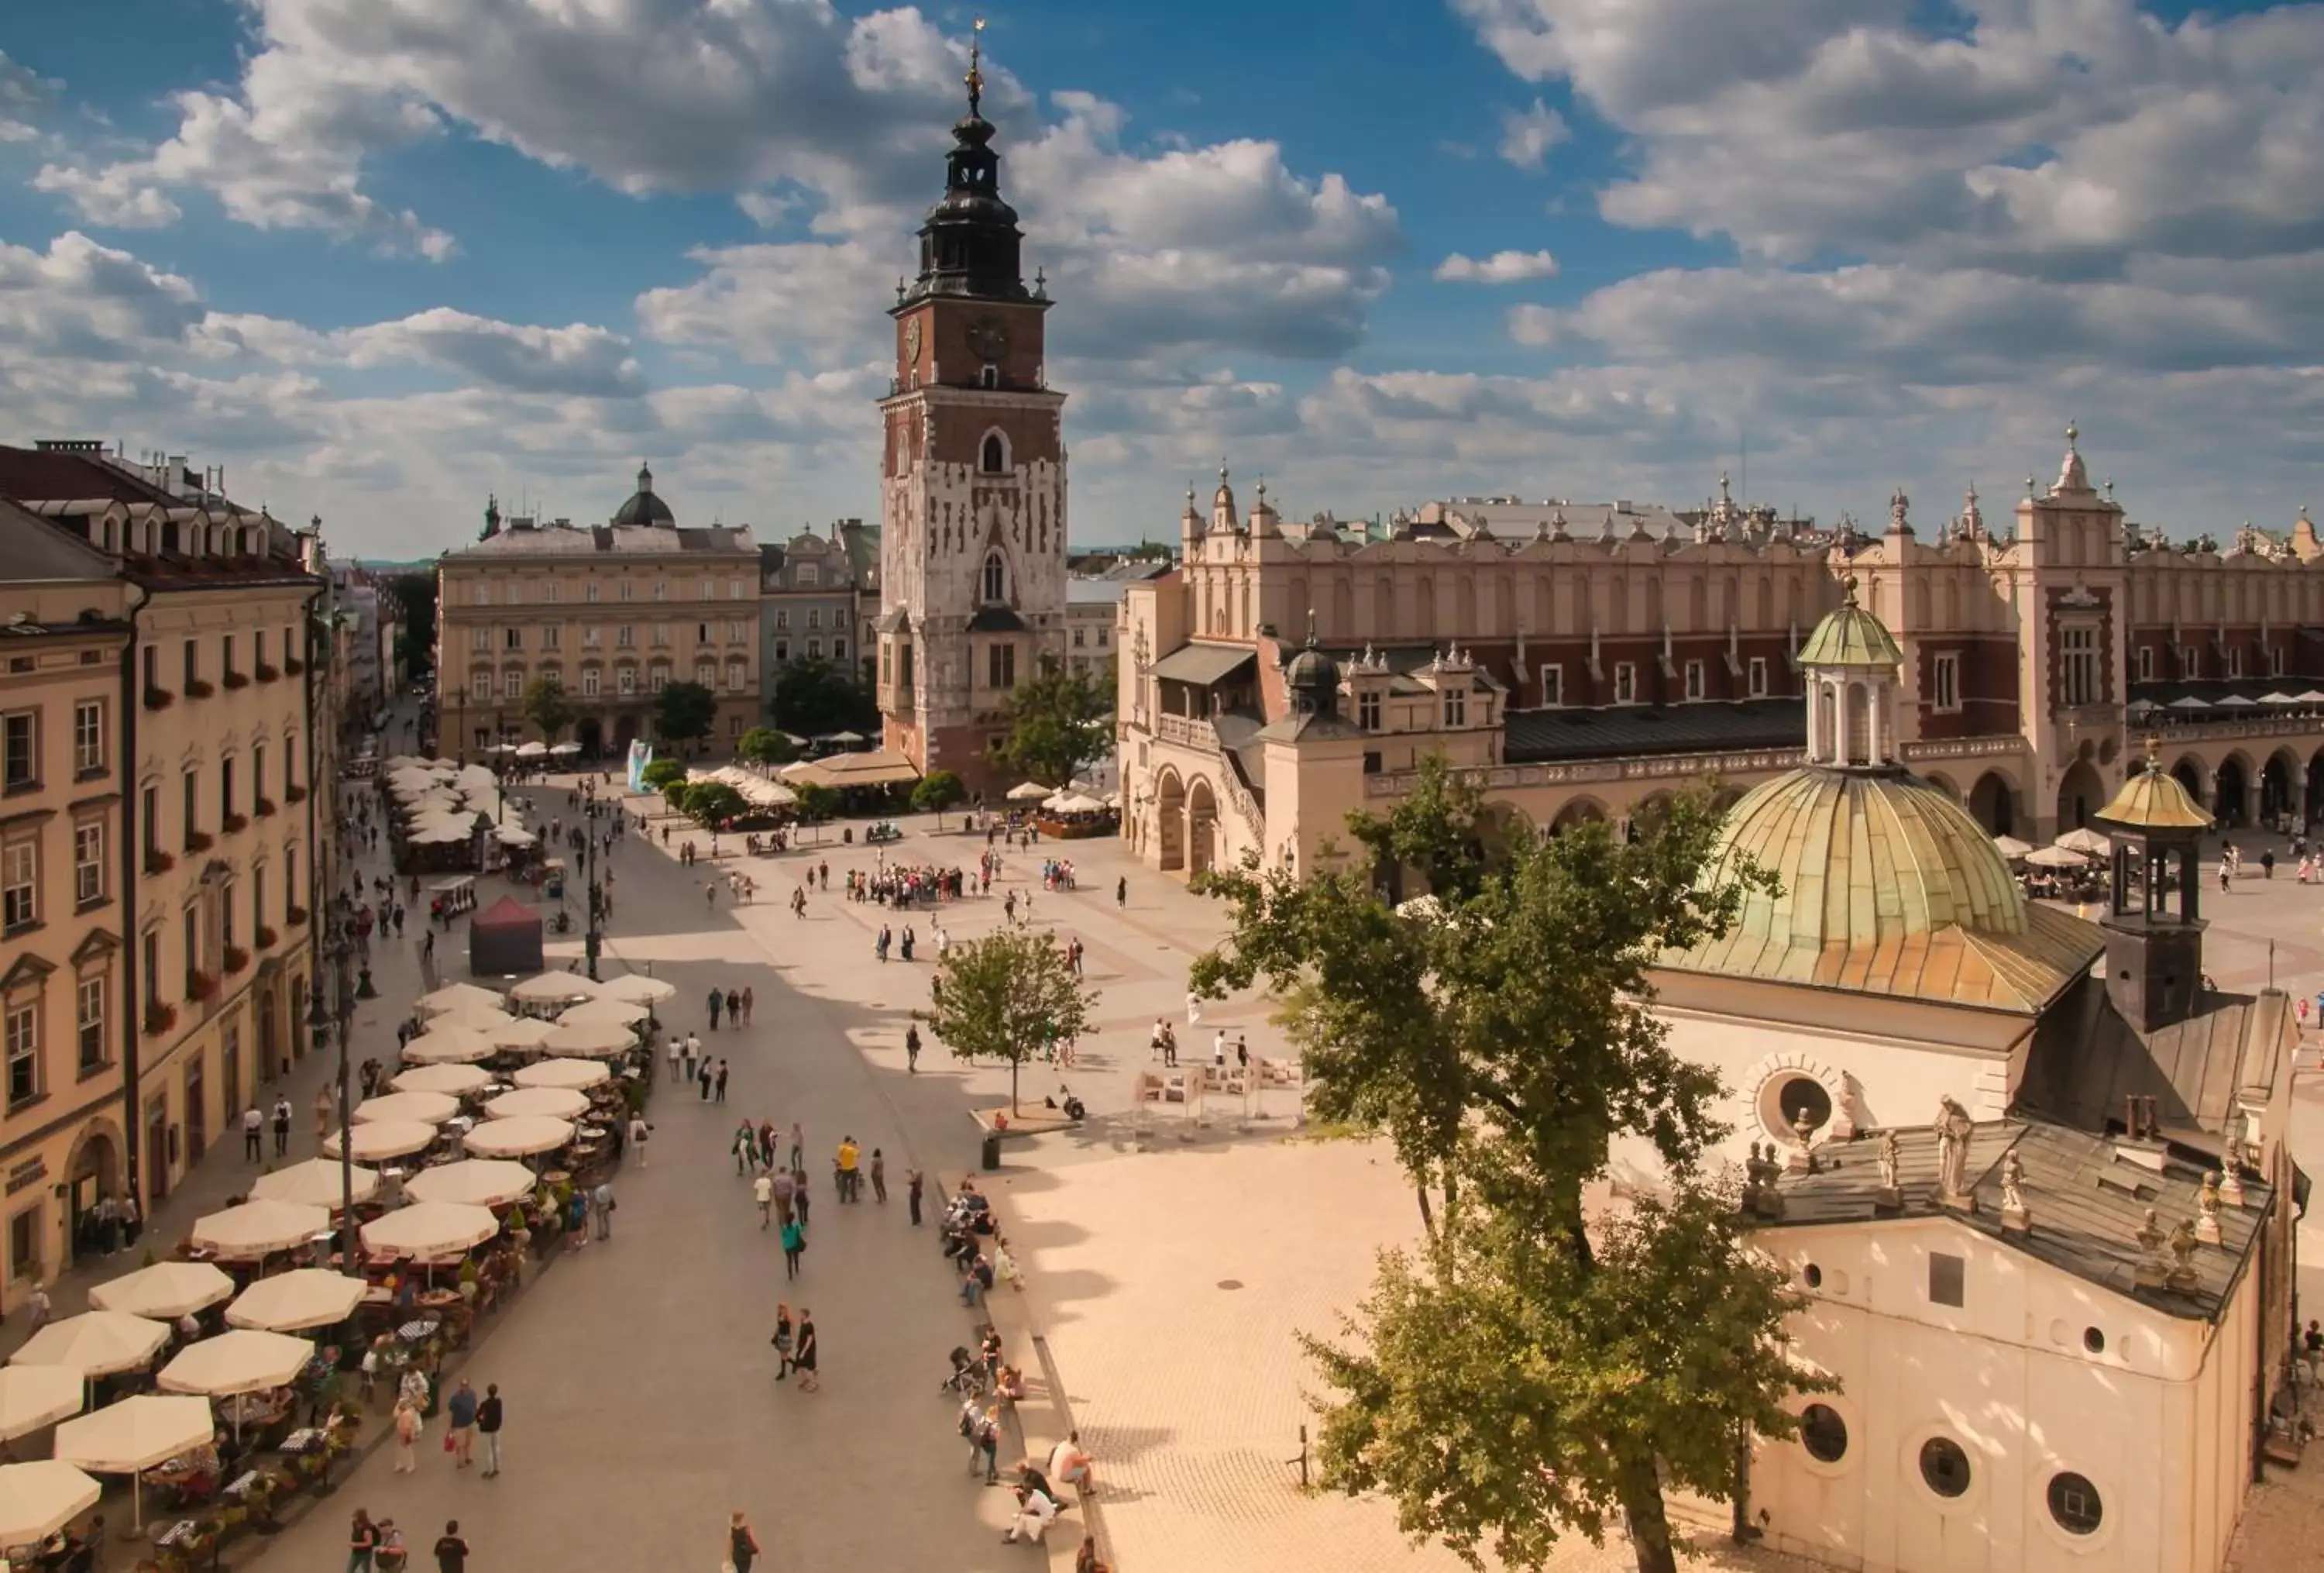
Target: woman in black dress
804	1360
741	1545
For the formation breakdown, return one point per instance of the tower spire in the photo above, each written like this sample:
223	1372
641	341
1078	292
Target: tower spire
975	78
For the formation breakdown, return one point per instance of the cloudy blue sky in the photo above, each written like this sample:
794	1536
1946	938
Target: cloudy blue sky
379	257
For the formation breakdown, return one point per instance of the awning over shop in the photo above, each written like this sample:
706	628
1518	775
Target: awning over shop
1205	665
877	768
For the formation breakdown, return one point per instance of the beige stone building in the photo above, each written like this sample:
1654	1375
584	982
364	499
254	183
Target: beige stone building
219	838
615	612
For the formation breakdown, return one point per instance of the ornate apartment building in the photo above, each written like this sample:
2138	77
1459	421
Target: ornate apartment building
186	982
819	597
1586	661
615	612
972	479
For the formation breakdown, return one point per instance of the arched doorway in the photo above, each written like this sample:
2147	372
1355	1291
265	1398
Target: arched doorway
625	732
1649	815
1725	799
1201	827
590	733
2233	790
1993	803
2275	794
1502	829
1579	812
2315	807
2189	774
2080	794
92	1174
1170	818
1943	784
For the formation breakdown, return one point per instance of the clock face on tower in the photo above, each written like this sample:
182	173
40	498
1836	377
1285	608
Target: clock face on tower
988	338
912	342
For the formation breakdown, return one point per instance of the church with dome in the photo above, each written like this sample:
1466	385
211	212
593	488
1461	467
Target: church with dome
2029	1171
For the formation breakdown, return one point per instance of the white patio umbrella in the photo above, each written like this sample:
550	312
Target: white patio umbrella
515	836
2056	857
448	1046
603	1011
519	1137
438	834
484	1182
523	1034
2277	698
384	1139
1073	803
2011	847
554	988
39	1497
1030	791
595	1041
244	1360
532	750
2085	840
423	1108
453	1080
638	989
2190	703
455	996
558	1103
2312	697
257	1227
484	1019
315	1181
575	1074
287	1302
429	1231
2238	702
164	1291
32	1396
131	1435
566	750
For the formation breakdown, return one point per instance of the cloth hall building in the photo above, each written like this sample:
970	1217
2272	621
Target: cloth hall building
1584	662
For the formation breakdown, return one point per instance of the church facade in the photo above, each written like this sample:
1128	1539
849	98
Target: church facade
972	478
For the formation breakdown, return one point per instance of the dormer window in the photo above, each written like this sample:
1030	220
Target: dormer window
989	377
994	458
996	579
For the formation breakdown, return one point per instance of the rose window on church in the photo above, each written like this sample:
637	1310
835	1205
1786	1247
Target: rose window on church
1786	1099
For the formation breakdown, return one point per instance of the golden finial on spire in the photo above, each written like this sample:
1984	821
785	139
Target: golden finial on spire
975	78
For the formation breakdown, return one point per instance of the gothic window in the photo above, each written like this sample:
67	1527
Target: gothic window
996	573
994	458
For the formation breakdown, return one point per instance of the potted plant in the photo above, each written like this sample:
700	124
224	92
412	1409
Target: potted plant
237	958
158	861
160	698
294	793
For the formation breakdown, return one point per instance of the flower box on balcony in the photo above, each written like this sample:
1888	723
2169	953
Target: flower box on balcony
160	698
238	679
294	793
237	958
295	917
293	665
158	861
263	807
200	986
197	841
235	824
159	1018
266	937
199	689
266	675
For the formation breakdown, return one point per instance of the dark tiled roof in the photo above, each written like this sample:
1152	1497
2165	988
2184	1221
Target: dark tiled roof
2086	1060
996	620
36	476
2085	1197
1534	737
1204	665
32	548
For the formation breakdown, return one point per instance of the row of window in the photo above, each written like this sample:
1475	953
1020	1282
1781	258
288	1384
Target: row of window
195	673
2074	1501
514	593
1103	636
658	677
812	649
23	740
814	618
551	636
24	1034
2187	661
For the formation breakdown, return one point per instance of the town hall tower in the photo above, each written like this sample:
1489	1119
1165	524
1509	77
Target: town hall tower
972	479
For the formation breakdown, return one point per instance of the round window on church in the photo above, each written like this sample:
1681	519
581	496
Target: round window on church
2074	1504
1944	1467
1823	1433
1783	1102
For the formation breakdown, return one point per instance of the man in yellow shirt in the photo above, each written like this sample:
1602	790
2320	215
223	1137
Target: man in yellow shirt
848	1181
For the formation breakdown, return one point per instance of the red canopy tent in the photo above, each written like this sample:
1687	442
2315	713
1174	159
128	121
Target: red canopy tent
504	939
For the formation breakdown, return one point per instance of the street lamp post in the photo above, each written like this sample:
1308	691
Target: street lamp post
336	951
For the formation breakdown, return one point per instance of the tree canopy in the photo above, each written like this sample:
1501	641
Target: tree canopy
662	773
1059	722
547	707
815	699
1007	997
685	711
1545	1361
816	802
764	745
935	791
713	803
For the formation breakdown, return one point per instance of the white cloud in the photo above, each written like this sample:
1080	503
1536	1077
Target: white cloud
780	301
1503	267
1527	134
25	95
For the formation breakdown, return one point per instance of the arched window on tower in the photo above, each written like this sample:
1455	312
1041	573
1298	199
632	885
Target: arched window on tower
996	579
989	377
994	459
1856	749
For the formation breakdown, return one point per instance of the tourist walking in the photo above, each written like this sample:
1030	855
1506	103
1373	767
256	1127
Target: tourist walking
601	1204
489	1416
879	1176
808	1354
717	1004
912	1049
913	1182
639	1132
798	1147
322	1113
733	1009
253	1134
782	1340
282	1126
462	1409
762	1191
747	1002
741	1545
794	1247
722	1079
451	1551
406	1437
363	1540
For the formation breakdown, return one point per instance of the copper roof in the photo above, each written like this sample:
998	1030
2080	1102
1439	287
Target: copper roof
2152	801
1850	635
1887	887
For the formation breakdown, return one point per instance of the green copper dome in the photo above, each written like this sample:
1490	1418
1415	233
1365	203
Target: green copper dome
1851	636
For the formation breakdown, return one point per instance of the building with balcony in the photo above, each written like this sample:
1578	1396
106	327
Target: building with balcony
615	612
221	842
1586	661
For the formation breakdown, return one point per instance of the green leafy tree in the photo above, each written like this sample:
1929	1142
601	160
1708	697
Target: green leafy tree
1058	723
935	791
713	803
547	707
815	699
764	745
1007	997
415	640
1532	1370
817	803
684	712
662	773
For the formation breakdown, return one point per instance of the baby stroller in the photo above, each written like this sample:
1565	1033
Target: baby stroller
967	1378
